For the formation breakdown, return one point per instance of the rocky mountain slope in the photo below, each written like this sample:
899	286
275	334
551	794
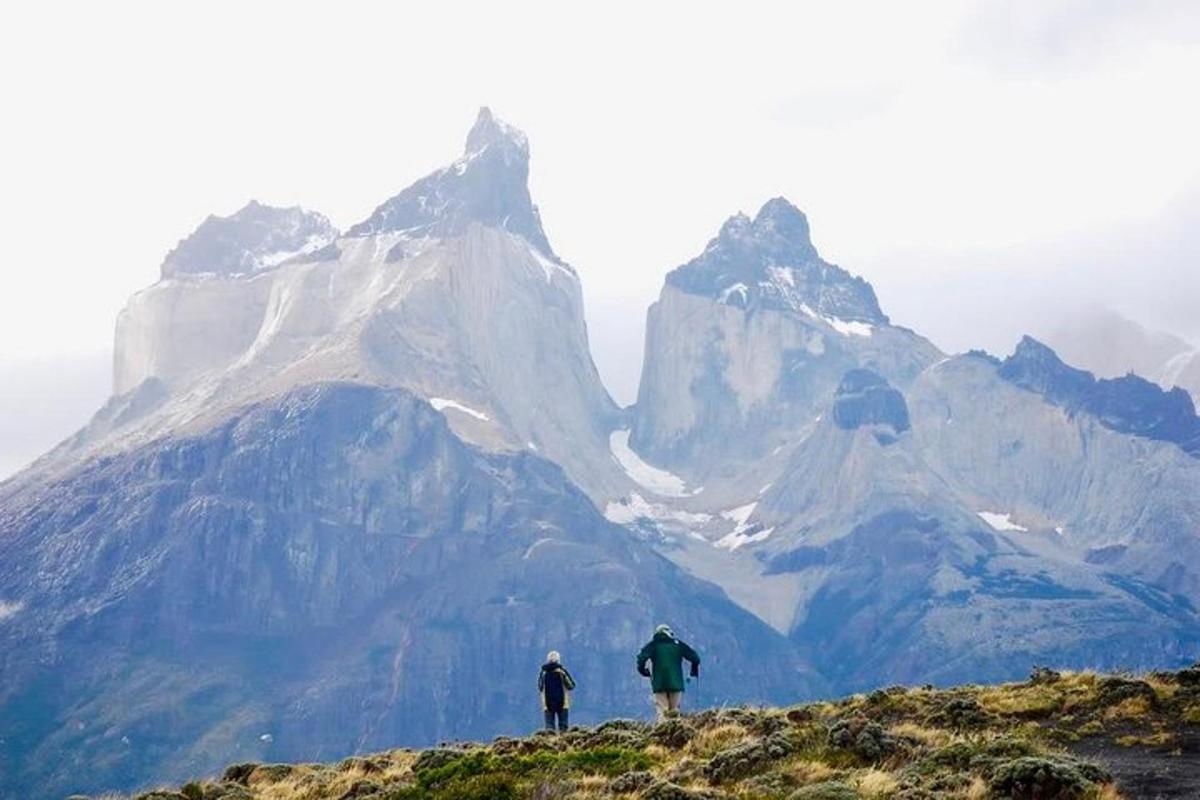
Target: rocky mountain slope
924	516
330	572
1110	345
1069	737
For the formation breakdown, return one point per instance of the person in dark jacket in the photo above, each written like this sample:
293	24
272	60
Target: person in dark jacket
665	655
555	685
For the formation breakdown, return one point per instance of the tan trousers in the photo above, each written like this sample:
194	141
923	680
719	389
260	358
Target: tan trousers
667	703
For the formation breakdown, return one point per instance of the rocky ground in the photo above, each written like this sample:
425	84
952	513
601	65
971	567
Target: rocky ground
1069	736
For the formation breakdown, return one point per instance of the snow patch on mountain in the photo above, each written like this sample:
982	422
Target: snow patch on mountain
658	481
441	403
738	288
846	327
550	266
1001	521
743	532
636	508
736	539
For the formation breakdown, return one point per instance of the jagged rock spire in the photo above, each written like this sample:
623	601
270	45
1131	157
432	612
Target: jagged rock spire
488	185
770	262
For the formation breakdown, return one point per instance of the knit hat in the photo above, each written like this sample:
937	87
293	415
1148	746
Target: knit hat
665	629
553	657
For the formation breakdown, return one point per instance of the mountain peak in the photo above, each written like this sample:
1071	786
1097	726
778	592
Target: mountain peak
770	262
780	217
488	185
251	239
489	130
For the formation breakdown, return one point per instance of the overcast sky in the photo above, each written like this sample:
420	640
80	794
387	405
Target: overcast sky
981	163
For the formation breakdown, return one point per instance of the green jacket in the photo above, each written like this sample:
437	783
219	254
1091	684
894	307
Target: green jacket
666	655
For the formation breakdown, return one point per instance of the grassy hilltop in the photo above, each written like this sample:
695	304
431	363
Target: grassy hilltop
1055	737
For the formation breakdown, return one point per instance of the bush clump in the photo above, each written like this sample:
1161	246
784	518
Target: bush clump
974	756
826	790
961	714
1044	675
628	782
1117	690
1043	778
866	740
665	790
674	733
743	759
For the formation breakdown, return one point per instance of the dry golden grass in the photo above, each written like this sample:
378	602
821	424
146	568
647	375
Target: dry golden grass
713	740
806	771
978	790
1164	690
1157	739
931	737
1017	700
1129	708
315	782
875	784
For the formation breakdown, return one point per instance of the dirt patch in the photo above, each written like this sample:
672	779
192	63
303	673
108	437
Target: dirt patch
1150	773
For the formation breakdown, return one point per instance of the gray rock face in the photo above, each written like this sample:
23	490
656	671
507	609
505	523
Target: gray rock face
1109	345
907	516
770	262
449	290
254	238
866	399
327	573
488	186
748	342
1128	404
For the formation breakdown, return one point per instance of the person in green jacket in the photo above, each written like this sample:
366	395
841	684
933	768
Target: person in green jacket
666	655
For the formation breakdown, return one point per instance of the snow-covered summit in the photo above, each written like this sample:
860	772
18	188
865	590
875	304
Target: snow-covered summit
770	262
253	238
488	185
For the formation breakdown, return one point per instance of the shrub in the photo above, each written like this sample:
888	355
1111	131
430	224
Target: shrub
828	790
360	789
238	773
673	733
665	790
629	782
1113	691
1044	675
739	761
1042	778
482	787
866	740
976	756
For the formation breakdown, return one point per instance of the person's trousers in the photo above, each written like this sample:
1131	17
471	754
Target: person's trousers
561	716
667	703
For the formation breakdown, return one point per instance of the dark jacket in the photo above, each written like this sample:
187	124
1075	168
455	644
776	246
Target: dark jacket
666	655
555	684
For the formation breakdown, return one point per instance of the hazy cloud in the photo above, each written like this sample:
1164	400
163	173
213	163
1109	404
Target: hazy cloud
1039	38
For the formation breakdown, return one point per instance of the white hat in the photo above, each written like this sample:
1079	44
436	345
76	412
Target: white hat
664	629
553	657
